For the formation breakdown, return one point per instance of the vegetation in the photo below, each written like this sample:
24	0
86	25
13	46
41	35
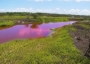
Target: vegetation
45	17
52	19
56	49
83	24
6	18
81	37
6	23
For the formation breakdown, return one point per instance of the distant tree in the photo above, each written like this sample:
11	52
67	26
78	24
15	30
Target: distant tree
27	17
1	14
35	16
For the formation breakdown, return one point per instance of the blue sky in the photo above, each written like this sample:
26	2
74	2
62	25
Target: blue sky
80	7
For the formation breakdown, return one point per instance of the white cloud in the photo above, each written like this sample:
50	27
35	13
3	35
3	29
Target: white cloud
2	10
75	0
82	0
49	0
61	0
65	0
56	10
38	0
68	0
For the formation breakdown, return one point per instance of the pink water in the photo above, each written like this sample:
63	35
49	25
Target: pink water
29	31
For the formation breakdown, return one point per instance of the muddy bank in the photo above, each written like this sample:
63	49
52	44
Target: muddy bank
81	37
22	21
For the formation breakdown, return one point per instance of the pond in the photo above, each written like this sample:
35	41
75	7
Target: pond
27	31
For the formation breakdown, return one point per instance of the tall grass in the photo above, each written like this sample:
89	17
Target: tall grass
13	18
52	19
38	19
57	49
6	23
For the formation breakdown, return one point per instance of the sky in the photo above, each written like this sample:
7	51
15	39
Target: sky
77	7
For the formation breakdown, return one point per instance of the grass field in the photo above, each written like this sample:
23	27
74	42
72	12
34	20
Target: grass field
12	17
52	19
6	23
38	18
57	49
11	20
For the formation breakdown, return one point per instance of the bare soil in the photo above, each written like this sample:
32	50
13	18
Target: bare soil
81	38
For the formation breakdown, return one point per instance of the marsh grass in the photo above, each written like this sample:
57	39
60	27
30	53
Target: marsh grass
6	23
58	49
39	18
11	20
52	19
12	17
84	24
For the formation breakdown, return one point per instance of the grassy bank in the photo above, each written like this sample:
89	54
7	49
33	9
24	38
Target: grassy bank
6	23
37	18
81	37
52	19
58	49
11	20
13	17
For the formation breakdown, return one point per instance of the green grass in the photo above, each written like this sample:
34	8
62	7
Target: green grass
39	18
6	23
10	20
57	49
12	17
84	24
52	19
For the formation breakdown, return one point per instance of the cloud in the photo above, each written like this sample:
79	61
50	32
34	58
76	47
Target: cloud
62	0
75	0
65	0
38	0
49	0
82	0
56	10
2	10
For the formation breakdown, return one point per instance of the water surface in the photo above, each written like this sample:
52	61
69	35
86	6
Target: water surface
29	31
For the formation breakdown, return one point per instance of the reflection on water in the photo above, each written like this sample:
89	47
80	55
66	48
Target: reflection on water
29	31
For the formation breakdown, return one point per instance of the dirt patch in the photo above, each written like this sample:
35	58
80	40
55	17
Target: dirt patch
23	21
81	38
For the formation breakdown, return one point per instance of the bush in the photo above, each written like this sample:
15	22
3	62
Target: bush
6	23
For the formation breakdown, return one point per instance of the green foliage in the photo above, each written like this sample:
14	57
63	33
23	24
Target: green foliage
84	24
6	17
35	15
6	23
52	19
56	49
